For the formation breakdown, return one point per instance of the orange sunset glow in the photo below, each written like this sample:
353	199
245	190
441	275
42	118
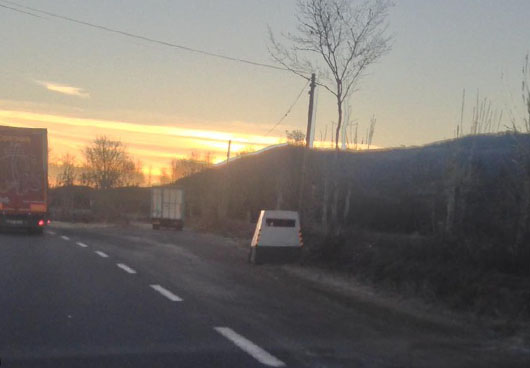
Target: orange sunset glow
154	145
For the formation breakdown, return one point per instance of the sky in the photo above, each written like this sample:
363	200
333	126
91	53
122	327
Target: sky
164	103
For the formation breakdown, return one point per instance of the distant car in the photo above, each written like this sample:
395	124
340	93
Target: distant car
277	238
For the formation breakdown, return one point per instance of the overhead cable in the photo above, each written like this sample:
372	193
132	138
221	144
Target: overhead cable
27	10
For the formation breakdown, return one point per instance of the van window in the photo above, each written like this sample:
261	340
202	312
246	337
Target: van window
280	222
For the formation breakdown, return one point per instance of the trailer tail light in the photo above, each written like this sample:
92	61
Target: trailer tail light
301	238
41	223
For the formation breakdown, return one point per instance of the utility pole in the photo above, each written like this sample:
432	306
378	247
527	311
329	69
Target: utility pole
228	152
312	86
222	208
310	115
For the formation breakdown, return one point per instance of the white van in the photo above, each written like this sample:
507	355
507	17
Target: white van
277	237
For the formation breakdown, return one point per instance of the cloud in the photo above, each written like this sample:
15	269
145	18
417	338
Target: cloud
64	89
155	145
161	132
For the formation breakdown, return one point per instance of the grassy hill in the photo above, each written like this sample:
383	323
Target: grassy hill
439	221
397	190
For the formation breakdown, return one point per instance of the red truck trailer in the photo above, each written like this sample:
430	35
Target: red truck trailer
23	178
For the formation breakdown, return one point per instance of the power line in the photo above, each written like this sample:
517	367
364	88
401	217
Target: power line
288	110
133	35
20	11
152	40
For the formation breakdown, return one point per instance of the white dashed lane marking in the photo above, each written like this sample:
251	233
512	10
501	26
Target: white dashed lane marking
168	294
125	268
101	254
49	232
250	348
243	343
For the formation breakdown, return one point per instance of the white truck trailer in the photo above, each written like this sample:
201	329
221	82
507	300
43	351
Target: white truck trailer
167	207
23	178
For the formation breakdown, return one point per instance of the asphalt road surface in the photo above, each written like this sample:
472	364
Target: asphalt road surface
133	297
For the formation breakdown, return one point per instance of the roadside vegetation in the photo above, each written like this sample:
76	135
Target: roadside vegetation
340	40
448	222
398	219
107	184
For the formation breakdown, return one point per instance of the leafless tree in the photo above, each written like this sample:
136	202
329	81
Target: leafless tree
356	137
107	164
523	163
296	137
132	175
371	131
183	167
68	171
150	176
164	177
339	39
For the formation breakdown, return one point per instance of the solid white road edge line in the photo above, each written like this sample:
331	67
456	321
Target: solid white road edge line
65	237
125	268
101	254
249	347
82	244
168	294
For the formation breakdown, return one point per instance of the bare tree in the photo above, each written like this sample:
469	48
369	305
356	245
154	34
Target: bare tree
338	38
107	164
371	131
150	176
68	171
208	158
356	137
296	137
164	177
523	163
132	175
181	168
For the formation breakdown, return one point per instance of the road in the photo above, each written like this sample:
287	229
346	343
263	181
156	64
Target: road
133	297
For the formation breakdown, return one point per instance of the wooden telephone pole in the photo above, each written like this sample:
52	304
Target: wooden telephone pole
312	86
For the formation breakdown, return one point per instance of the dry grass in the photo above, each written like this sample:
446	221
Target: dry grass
436	271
